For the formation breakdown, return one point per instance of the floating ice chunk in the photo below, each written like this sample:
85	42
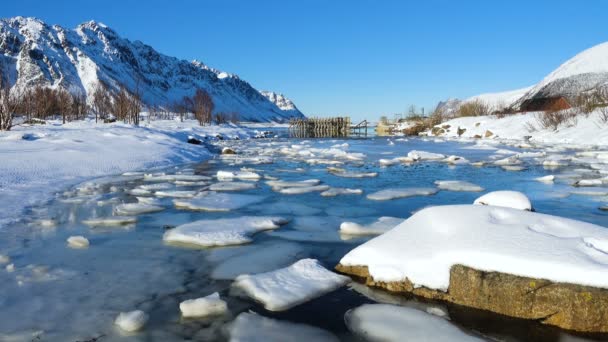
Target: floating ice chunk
423	155
251	327
389	194
156	186
350	174
513	168
454	185
287	287
394	161
149	200
331	192
10	268
546	179
478	164
303	190
188	183
232	186
245	175
131	321
211	305
278	208
455	160
158	177
110	221
382	225
4	259
256	259
311	228
78	242
504	151
139	192
136	209
45	223
176	194
385	322
214	201
531	154
222	232
556	160
508	161
292	184
589	182
508	199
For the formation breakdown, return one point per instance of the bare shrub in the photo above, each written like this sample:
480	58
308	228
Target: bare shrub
8	104
473	108
603	115
229	117
202	107
553	119
101	102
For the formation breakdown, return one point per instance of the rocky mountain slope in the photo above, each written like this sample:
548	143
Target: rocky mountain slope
34	53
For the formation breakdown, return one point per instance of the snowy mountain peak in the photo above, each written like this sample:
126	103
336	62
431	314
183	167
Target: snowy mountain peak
79	59
282	102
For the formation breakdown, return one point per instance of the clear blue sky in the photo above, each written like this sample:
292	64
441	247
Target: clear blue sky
362	58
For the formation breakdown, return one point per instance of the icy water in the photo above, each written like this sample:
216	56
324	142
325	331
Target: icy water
56	293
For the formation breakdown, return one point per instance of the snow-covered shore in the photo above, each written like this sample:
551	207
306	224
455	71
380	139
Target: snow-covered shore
37	161
584	131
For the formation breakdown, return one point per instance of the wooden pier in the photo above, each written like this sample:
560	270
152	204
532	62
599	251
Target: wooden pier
325	127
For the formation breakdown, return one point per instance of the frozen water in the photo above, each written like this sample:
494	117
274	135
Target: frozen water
381	225
251	327
453	185
245	175
215	201
303	189
110	221
287	287
232	186
332	192
389	194
136	209
210	305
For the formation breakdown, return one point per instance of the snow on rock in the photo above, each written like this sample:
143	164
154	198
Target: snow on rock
486	238
332	192
454	185
381	225
287	287
131	321
505	198
215	201
232	186
389	194
244	175
78	242
136	209
386	322
222	232
251	327
423	155
211	305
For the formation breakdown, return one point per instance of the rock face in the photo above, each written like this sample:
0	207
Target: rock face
37	54
568	306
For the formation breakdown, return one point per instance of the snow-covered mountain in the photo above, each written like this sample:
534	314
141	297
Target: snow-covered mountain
587	71
35	53
285	104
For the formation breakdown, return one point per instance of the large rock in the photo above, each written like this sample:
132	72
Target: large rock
568	306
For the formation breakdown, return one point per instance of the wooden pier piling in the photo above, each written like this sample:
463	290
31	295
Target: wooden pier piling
316	127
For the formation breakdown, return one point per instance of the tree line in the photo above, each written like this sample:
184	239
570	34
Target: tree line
43	103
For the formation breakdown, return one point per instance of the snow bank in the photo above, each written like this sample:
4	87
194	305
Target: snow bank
287	287
385	322
31	171
210	305
251	327
508	199
222	232
425	246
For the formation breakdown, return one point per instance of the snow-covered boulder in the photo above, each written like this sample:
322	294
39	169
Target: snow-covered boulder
505	198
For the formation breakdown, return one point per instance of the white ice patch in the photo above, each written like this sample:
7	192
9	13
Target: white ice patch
176	194
454	185
131	321
251	327
508	199
395	161
332	192
303	189
389	194
455	160
423	155
136	209
244	175
281	208
211	305
385	322
232	186
111	221
277	184
352	174
214	201
381	225
546	179
287	287
221	232
78	242
486	238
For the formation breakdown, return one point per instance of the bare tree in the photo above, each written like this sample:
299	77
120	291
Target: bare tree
121	104
8	104
64	103
202	106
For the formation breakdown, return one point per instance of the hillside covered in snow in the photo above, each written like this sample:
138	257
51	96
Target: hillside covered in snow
36	54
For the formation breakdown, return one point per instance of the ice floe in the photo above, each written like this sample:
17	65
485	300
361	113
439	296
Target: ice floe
381	225
385	322
331	192
546	179
78	242
232	186
211	305
278	184
455	185
303	189
136	209
280	208
215	201
287	287
244	175
352	174
423	155
389	194
131	321
251	327
176	193
110	221
505	198
222	232
486	238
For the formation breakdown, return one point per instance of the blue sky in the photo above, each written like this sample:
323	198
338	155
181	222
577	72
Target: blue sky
362	58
